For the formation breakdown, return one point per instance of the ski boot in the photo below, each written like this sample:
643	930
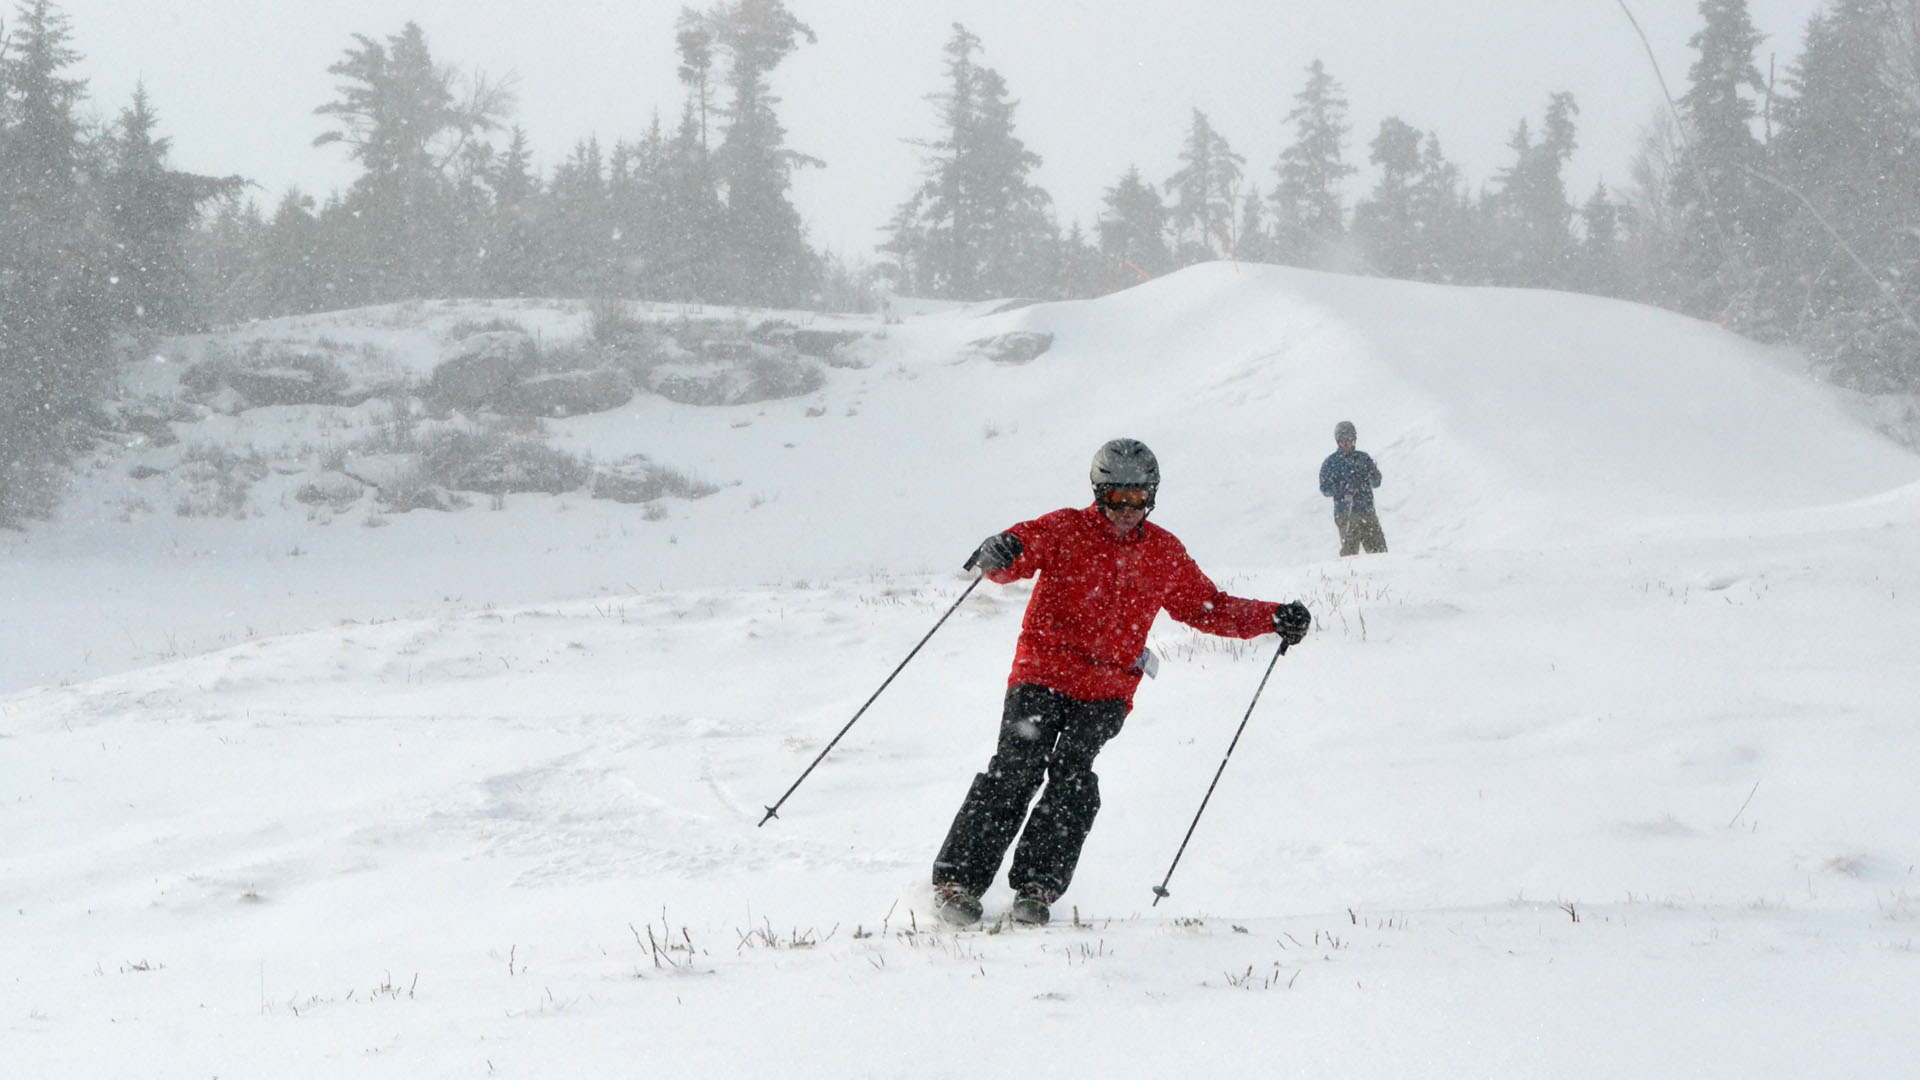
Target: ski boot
957	906
1032	907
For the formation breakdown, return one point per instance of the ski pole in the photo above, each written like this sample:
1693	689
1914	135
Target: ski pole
773	811
1160	891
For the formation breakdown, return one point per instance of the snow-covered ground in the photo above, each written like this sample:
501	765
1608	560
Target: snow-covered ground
1607	769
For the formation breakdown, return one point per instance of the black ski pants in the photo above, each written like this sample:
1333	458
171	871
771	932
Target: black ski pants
1044	735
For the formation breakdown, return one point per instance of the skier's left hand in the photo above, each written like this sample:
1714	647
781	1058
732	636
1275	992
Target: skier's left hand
1291	622
996	552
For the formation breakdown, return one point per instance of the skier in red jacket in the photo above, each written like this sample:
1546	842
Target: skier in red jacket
1105	575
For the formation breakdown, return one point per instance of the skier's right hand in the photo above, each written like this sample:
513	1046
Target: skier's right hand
996	552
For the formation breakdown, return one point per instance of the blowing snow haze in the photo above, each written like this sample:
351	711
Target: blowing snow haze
1101	86
420	581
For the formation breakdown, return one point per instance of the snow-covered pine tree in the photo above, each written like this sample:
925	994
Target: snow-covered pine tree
294	273
400	117
1133	232
577	225
1528	210
687	264
1309	209
510	249
150	210
765	255
1723	209
54	267
1383	223
1254	243
1203	193
977	226
1849	143
1452	244
693	40
1597	260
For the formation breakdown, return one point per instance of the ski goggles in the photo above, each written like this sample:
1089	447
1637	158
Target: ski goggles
1124	498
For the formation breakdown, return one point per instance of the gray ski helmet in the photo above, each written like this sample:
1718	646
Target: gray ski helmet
1343	430
1125	463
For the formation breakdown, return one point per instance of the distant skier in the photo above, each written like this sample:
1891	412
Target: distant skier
1349	477
1104	576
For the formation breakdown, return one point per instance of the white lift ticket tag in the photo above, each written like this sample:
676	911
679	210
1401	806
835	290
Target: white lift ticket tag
1148	664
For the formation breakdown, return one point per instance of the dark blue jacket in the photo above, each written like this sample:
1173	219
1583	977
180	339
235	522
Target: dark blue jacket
1350	477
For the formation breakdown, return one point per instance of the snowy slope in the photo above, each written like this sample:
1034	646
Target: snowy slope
1605	770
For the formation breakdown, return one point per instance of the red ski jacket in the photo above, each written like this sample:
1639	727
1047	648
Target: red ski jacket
1098	595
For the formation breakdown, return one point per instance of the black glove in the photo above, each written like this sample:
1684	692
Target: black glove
1291	622
996	552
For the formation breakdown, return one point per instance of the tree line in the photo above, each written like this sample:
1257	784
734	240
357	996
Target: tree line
1788	209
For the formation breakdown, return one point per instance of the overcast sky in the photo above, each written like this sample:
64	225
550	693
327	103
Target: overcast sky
1101	83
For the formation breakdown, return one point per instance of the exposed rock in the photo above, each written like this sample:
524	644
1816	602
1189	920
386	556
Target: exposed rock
480	366
267	377
381	471
1018	347
566	393
317	382
228	402
823	343
157	430
334	489
767	376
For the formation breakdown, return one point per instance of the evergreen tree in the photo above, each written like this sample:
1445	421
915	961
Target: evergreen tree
578	225
1451	245
43	141
226	257
402	120
53	266
686	262
1846	277
1384	222
976	226
1254	243
1203	194
1309	210
1133	231
693	39
150	212
294	275
766	255
470	217
510	250
1417	223
1022	243
1597	264
631	207
907	245
1082	267
1722	205
1531	217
